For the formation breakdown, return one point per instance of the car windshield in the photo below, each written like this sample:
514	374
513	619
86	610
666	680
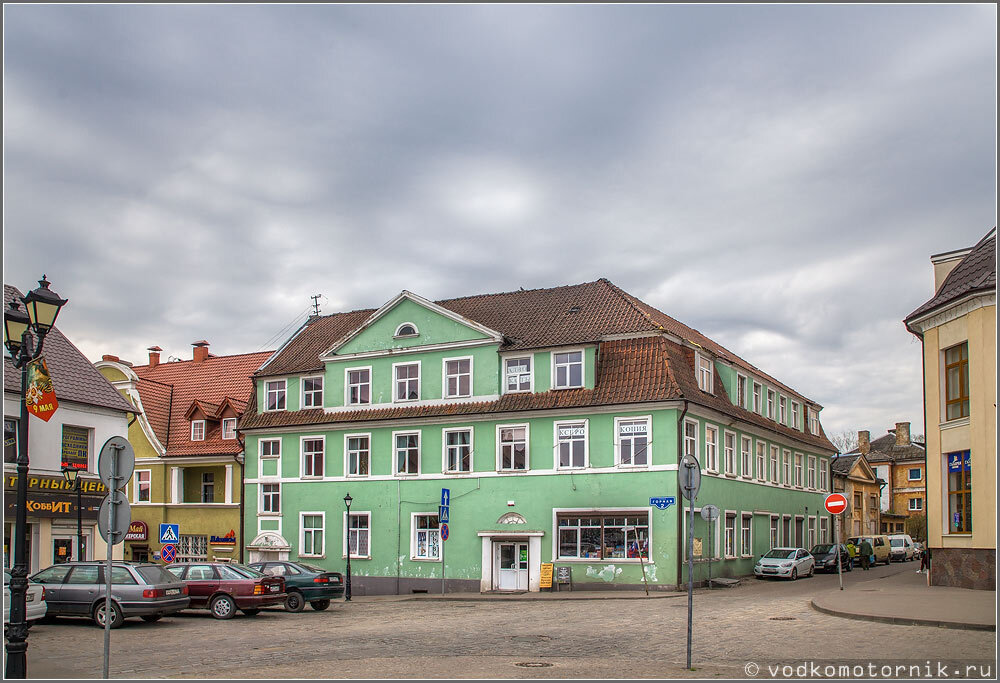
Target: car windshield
311	568
154	574
821	549
249	572
780	554
898	542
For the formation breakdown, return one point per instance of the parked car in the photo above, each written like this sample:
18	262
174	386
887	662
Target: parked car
901	548
138	589
223	588
34	602
825	555
304	583
880	547
788	563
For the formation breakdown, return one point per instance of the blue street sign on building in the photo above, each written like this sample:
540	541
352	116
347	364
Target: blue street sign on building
443	513
169	533
662	502
445	497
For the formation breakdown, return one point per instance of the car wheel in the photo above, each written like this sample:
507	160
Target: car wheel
319	605
223	607
294	602
117	619
251	612
150	618
795	573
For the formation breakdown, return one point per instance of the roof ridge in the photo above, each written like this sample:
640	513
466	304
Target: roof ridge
627	298
519	291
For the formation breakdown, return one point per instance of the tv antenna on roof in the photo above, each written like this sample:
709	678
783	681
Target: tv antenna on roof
315	298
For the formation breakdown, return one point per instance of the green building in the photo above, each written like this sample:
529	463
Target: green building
552	416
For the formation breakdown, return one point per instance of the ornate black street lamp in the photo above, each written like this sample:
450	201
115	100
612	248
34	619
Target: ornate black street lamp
73	477
24	334
347	586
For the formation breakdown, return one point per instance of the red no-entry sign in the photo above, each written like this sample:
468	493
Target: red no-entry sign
835	503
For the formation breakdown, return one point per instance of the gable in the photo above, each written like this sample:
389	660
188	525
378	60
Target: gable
434	326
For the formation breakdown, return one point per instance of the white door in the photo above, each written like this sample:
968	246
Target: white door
511	561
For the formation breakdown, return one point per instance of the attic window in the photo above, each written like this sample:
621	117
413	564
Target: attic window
706	374
197	430
406	330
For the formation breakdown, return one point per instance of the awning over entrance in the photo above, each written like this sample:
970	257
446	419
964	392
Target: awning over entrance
269	540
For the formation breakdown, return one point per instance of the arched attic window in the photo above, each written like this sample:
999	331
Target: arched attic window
406	330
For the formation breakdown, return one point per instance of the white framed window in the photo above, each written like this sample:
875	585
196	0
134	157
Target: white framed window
795	415
425	539
798	470
270	498
358	386
407	381
811	472
773	532
357	535
824	465
711	448
824	530
813	422
914	474
770	404
691	438
811	531
517	375
191	547
567	369
786	467
730	540
774	464
757	388
406	448
270	448
572	448
633	436
274	395
603	535
741	391
312	392
512	448
746	535
729	452
746	457
916	504
458	377
406	330
457	449
228	428
313	455
706	372
358	448
207	489
311	534
197	432
142	486
761	461
782	410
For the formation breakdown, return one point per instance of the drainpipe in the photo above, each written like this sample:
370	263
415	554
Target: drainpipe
399	533
680	497
242	489
927	493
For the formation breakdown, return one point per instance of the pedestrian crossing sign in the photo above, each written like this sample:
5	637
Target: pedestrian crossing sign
169	533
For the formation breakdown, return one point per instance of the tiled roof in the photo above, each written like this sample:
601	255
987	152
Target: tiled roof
169	390
884	449
301	353
635	370
74	378
843	464
977	272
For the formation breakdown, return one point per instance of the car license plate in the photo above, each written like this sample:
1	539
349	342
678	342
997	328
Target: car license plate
767	570
31	598
169	591
273	589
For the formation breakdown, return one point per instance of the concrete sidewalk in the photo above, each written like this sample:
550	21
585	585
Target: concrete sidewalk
905	598
535	596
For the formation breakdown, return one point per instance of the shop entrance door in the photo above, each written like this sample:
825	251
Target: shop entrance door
511	562
64	549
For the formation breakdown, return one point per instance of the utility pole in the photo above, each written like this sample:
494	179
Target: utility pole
315	304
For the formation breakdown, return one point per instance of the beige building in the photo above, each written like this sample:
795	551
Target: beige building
854	477
899	462
957	328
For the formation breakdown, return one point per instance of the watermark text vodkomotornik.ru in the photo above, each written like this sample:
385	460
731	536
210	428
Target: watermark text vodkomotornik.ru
910	669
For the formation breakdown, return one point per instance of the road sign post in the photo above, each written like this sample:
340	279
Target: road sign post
710	513
836	504
689	477
443	515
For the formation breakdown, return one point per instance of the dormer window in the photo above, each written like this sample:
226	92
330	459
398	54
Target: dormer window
567	370
197	430
706	373
406	330
274	395
229	428
813	422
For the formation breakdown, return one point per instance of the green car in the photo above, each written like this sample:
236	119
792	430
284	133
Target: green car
304	583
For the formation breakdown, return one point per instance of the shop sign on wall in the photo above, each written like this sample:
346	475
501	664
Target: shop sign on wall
137	531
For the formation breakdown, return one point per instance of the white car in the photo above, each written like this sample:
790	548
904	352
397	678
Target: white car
34	602
787	563
901	548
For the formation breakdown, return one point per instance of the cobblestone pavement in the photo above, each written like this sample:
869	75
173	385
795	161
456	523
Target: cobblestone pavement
762	622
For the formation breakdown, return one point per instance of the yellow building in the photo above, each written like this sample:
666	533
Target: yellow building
957	328
898	461
854	477
189	459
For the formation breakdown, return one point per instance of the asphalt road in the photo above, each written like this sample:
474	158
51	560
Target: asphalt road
737	631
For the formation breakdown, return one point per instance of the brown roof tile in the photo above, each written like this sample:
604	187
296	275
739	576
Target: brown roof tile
977	272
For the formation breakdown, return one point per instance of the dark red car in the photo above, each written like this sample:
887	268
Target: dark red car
223	587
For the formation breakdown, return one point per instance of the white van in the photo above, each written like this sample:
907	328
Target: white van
901	548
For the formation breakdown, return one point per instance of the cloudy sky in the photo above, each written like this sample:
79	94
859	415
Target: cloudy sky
775	176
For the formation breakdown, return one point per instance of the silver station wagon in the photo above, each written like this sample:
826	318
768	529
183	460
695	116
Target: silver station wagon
77	589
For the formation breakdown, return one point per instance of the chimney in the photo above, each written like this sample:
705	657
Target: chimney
200	351
154	356
864	442
902	433
111	359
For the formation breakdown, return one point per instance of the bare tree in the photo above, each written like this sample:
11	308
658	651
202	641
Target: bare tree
845	440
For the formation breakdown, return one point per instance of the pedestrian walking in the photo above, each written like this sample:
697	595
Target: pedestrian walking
866	554
852	551
925	560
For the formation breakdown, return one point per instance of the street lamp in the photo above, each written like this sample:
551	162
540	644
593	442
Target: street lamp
73	477
347	586
24	334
